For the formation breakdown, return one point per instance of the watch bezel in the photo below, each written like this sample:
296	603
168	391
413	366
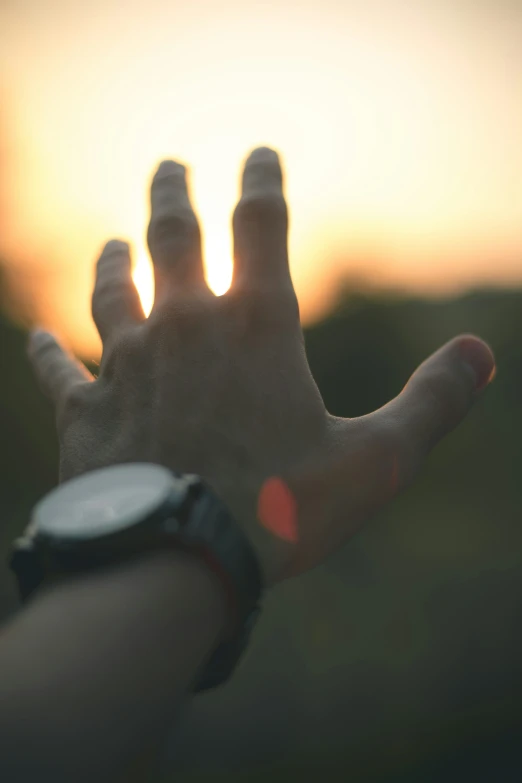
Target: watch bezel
73	513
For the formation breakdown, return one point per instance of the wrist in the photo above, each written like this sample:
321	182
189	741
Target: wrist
120	647
184	579
274	554
172	582
175	518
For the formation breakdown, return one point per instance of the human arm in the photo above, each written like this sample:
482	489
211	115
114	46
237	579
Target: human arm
99	668
220	387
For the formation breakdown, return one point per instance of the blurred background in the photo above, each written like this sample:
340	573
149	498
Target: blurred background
400	127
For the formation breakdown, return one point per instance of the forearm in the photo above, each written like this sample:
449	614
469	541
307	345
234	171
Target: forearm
93	671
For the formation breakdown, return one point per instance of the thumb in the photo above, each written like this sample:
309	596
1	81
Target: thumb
437	397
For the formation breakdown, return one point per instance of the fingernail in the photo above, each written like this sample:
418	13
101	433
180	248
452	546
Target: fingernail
479	359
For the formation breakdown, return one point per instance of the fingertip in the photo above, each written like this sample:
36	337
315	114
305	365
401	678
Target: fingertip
263	170
479	358
37	338
35	333
263	154
441	392
115	246
168	168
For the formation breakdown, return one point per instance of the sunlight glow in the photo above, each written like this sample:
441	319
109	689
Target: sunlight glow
218	271
218	262
143	277
402	168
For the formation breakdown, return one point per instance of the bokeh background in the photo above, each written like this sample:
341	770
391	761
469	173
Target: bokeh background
400	125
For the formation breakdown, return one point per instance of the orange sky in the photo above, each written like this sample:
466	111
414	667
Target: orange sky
400	125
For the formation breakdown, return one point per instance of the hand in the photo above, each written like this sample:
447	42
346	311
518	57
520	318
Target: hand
220	386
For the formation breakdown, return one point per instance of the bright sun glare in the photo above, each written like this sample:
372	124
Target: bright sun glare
218	269
403	168
144	282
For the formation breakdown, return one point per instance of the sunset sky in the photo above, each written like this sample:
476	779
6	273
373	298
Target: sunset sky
399	123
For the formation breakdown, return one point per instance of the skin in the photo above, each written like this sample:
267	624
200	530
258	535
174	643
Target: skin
93	674
218	386
221	387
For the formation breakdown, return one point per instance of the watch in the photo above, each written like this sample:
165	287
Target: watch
115	514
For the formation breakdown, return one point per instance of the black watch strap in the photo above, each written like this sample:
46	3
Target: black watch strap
191	517
207	520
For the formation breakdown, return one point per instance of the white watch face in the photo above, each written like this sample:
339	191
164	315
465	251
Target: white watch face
102	502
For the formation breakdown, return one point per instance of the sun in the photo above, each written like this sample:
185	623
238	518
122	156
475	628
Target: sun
143	277
218	272
218	263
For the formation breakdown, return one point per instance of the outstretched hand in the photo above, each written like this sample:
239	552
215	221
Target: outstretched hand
221	387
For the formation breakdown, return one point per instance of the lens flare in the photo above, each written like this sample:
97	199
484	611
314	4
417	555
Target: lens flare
277	510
